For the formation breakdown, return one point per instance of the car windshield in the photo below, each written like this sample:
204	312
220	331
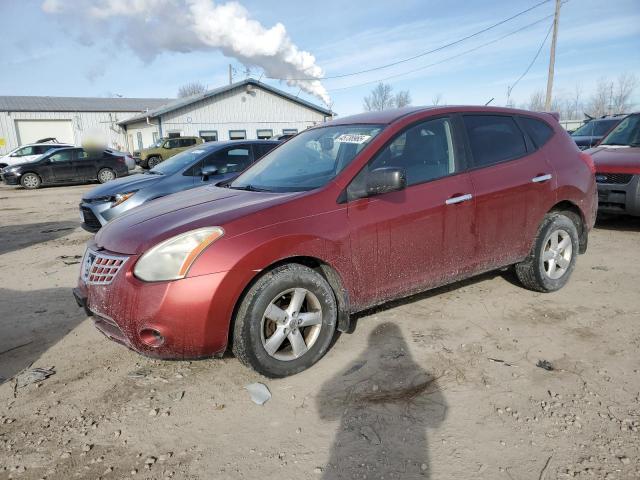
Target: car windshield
626	133
594	128
179	162
309	160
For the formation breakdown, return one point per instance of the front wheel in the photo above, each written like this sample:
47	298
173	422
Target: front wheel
153	161
30	181
553	256
286	321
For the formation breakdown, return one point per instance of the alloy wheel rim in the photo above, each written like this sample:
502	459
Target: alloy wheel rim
557	253
106	176
30	181
291	324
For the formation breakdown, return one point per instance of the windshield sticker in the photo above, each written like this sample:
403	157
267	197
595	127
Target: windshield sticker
353	138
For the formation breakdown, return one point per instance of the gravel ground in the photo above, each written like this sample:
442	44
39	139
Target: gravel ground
444	385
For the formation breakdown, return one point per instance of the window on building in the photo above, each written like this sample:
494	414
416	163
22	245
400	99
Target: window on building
174	133
140	146
289	131
264	133
209	135
156	135
237	134
494	139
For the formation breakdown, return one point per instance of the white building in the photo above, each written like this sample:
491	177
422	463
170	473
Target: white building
247	109
69	119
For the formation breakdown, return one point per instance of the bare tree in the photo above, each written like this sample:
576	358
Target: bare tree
436	99
380	98
536	101
575	107
625	86
192	88
599	103
402	99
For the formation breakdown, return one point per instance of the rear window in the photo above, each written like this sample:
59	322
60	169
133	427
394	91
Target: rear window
538	130
494	139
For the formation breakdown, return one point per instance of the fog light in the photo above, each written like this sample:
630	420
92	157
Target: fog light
151	337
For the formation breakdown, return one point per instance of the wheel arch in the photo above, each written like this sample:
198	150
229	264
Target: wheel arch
570	208
328	272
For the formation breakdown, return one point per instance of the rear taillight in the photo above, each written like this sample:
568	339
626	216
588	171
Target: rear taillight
586	158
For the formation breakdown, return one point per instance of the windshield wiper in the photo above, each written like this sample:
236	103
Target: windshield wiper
249	188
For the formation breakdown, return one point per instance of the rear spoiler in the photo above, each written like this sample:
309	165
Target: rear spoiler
555	115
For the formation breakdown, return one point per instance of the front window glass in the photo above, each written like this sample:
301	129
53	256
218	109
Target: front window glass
309	160
626	133
179	162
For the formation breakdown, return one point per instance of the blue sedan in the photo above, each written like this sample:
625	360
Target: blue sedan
209	163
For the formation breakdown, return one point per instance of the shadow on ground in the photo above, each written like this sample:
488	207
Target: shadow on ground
621	222
30	323
385	403
16	237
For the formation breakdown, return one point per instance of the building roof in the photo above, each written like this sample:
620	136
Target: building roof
183	102
79	104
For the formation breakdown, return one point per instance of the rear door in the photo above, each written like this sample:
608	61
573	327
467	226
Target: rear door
513	182
406	241
84	164
61	164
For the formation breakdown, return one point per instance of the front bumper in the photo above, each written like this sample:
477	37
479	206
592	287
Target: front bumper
10	178
192	314
619	198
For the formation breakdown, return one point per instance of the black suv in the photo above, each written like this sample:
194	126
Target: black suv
589	134
67	165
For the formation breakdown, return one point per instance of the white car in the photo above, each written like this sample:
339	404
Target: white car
28	153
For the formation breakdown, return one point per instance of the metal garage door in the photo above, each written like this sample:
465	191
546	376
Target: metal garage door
30	131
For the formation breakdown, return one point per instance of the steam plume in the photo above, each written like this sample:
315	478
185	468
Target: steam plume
150	27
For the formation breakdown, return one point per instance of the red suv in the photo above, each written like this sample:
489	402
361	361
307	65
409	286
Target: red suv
340	218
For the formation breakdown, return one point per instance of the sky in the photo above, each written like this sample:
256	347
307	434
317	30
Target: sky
56	48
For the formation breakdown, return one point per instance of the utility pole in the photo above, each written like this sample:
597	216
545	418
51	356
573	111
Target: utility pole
552	57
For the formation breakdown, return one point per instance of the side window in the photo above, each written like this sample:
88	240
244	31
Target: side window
262	149
425	151
187	142
231	160
173	143
63	156
23	152
82	155
538	130
494	139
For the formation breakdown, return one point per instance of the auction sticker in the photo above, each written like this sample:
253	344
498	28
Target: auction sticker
353	138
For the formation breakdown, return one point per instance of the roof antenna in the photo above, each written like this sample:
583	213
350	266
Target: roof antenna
492	99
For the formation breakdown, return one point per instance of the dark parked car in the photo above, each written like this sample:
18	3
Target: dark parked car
67	165
589	134
339	218
208	163
617	160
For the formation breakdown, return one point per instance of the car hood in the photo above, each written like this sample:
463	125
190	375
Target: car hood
145	226
616	159
123	185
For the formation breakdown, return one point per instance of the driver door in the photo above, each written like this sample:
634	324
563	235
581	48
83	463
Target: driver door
420	237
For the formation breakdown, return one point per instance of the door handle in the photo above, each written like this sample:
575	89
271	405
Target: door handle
458	199
541	178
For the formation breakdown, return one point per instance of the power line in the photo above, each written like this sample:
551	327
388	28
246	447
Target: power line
510	89
442	47
424	67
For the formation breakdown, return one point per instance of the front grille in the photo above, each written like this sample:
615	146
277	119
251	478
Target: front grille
614	178
90	218
100	269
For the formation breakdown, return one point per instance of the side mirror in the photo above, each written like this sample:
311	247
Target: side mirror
209	171
386	179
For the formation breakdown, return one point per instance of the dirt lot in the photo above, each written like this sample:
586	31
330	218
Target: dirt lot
443	385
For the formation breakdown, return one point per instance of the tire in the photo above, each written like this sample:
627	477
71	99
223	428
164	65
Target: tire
153	161
548	267
30	181
106	175
254	332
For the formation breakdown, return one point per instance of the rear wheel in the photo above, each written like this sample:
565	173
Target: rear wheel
30	181
553	256
286	321
153	161
106	175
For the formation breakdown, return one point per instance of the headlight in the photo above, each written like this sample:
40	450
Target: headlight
120	198
171	259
